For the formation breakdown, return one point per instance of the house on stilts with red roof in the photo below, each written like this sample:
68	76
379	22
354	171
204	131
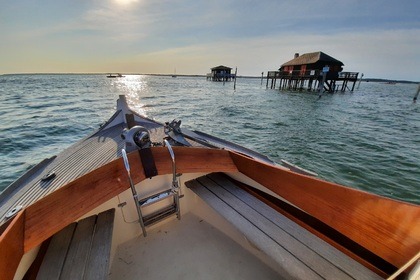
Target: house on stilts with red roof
312	71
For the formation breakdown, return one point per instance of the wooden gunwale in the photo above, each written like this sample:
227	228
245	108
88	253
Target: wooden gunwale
11	246
386	227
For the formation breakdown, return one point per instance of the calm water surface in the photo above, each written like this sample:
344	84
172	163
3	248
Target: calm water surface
368	139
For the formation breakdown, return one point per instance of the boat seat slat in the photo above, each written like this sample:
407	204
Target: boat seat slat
56	254
289	264
98	263
284	239
81	250
321	247
299	253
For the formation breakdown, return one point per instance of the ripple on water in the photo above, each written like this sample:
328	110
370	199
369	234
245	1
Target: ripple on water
368	139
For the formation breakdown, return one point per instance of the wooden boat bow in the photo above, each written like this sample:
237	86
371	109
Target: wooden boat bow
386	227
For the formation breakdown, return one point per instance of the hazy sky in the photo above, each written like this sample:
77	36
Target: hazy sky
379	38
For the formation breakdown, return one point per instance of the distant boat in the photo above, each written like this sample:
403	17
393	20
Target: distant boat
174	75
118	75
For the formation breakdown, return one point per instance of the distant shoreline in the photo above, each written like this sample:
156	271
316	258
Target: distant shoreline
375	80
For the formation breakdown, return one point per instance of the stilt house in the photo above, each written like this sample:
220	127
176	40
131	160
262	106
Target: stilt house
221	73
312	61
315	70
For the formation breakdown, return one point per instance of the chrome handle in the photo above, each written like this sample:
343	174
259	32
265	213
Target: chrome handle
171	152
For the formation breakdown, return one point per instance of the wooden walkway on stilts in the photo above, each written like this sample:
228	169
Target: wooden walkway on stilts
310	80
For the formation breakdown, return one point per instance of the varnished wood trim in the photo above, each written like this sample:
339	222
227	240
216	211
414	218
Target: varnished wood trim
386	227
11	247
325	232
55	211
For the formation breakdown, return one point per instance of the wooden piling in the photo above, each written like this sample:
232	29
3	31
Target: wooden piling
234	82
417	94
361	77
312	80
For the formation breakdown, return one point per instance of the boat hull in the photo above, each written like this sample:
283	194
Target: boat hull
380	233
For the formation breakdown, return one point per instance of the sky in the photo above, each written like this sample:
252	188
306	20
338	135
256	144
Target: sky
380	38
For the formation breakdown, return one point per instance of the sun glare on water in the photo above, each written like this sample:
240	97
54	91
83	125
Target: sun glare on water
132	86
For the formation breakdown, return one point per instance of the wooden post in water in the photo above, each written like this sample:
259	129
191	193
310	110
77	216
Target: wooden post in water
262	76
324	77
266	86
234	82
417	94
361	77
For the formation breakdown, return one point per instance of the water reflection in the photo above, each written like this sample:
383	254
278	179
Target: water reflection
132	86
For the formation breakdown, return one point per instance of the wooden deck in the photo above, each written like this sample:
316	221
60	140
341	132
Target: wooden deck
299	253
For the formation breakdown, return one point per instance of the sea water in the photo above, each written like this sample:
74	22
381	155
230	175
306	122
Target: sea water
368	139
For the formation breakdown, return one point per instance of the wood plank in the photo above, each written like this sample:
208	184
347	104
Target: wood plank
33	270
325	268
97	267
290	266
11	244
322	248
325	232
72	201
79	250
52	264
384	226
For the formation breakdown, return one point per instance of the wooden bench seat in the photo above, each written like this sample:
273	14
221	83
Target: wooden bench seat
81	250
299	253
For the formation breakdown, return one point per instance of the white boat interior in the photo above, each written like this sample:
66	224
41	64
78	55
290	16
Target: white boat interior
205	244
195	212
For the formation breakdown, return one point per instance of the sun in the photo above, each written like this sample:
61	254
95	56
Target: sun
125	2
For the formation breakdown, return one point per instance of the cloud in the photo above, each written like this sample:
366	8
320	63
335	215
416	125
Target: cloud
374	53
376	37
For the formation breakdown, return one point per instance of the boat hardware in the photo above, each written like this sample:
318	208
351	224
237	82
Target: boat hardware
148	163
159	215
171	193
136	137
298	169
14	211
49	176
175	185
173	130
133	190
122	204
155	198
